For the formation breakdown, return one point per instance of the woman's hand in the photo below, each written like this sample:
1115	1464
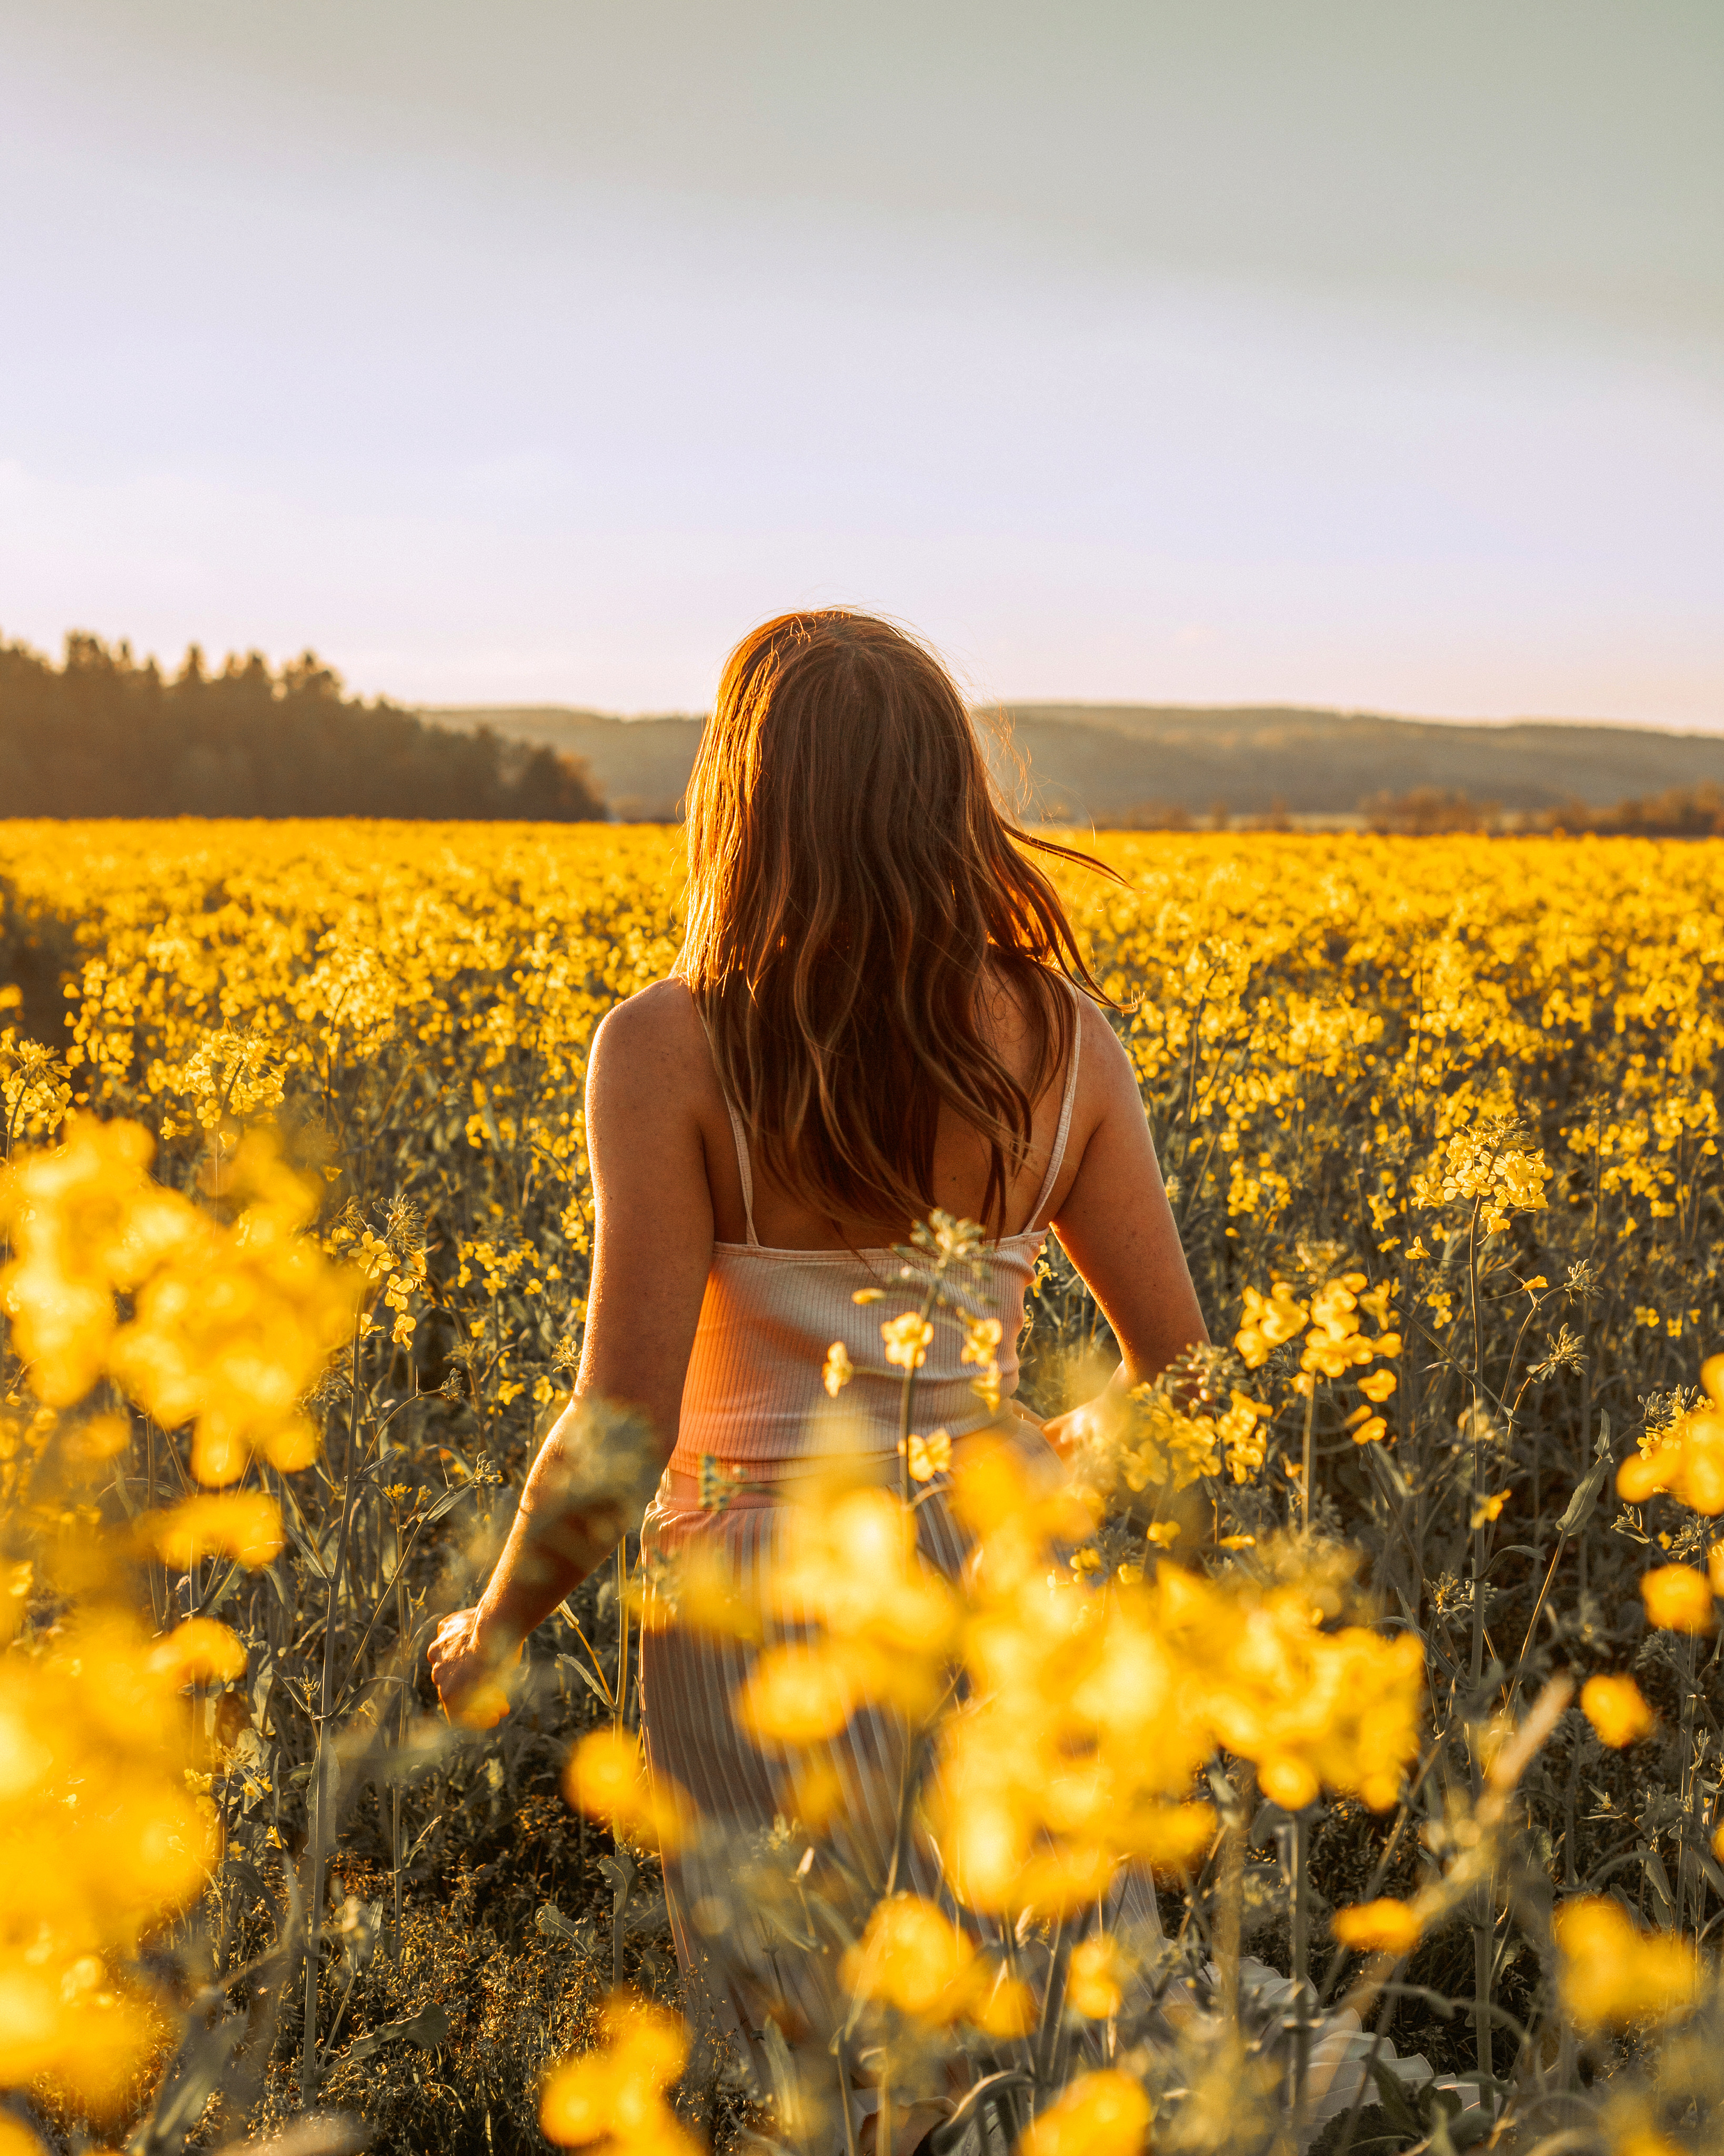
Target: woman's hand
1089	1424
1070	1432
467	1668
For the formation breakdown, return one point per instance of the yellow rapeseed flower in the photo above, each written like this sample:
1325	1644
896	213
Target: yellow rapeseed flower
1678	1598
1612	1972
1268	1321
242	1524
1615	1708
199	1651
913	1957
1097	1976
607	1777
1687	1459
907	1337
1098	2114
230	1326
615	2098
929	1456
1381	1927
105	1841
838	1370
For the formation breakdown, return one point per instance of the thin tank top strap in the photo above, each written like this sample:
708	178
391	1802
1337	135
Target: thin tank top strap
744	1168
739	1131
1056	1158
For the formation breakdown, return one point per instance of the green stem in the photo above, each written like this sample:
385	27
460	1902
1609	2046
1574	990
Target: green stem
1230	1925
1482	1927
619	1705
841	2051
396	1847
1300	1852
1688	1871
907	1399
323	1756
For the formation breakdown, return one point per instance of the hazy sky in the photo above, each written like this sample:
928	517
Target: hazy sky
1366	353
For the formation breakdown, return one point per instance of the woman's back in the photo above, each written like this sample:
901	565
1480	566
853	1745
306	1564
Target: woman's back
789	1363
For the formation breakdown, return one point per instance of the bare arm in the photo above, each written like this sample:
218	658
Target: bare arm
652	1252
1117	1228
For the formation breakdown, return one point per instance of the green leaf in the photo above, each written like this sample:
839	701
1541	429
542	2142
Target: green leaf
1393	2098
428	2029
599	1691
1586	1496
198	2073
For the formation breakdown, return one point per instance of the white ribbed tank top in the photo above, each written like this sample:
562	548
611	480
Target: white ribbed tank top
754	1398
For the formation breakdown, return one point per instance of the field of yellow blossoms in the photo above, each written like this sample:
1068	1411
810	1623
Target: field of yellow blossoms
1376	1650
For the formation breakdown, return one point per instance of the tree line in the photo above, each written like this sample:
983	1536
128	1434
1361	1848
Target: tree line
1680	811
103	734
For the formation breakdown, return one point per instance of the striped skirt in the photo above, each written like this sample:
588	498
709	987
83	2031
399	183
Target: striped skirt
737	1953
745	1960
749	1953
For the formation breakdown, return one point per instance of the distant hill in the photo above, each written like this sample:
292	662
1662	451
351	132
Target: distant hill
1101	762
640	766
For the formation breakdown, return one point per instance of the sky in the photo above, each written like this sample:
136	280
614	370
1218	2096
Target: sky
1363	352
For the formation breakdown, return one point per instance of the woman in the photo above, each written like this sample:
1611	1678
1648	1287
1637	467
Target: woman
876	1012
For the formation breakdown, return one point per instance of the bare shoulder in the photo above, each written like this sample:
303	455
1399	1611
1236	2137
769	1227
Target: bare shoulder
657	1033
1104	1053
654	1022
647	1115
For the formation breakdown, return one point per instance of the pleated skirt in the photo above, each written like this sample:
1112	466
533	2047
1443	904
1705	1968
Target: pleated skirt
744	1963
745	1788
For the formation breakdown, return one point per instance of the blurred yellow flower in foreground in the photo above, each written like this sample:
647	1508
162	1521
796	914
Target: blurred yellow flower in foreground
1687	1460
1382	1926
803	1698
480	1705
242	1524
982	1339
1101	2114
231	1325
1642	2139
913	1957
1097	1976
849	1568
200	1651
608	1776
1678	1598
104	1842
1615	1708
1613	1973
1089	1714
613	2098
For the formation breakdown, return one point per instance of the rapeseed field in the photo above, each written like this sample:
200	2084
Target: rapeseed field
1382	1637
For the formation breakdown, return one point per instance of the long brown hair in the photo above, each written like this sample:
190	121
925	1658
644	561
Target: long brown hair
851	876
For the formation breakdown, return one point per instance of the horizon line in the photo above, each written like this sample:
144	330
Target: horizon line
1030	705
